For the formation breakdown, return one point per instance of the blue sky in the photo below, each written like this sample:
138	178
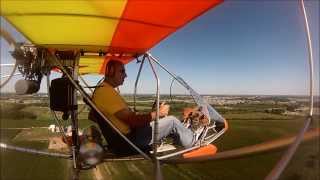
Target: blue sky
239	47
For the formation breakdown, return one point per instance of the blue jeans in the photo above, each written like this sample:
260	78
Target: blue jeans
168	126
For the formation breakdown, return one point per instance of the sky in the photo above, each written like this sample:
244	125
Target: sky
238	48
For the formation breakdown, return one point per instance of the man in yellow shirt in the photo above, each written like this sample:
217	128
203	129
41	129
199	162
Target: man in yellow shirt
137	127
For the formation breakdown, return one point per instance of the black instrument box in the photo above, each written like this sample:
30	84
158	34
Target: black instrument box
61	95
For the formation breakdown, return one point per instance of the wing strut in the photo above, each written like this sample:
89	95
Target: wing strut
33	151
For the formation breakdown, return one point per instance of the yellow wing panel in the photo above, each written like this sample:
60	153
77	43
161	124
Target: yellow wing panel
90	65
108	8
81	23
67	30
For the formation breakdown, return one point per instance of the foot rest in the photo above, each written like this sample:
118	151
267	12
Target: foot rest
209	150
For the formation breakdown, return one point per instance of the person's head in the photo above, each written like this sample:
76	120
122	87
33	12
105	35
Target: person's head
115	73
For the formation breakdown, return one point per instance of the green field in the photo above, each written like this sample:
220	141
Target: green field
247	125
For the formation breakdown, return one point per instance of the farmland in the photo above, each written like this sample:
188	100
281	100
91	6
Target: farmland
24	122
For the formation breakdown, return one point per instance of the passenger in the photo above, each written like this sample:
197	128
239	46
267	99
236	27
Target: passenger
136	126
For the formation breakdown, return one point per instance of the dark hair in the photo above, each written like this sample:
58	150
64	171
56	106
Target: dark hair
111	63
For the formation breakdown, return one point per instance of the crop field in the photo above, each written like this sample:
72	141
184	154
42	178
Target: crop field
26	125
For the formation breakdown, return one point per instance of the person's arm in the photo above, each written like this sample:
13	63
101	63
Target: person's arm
137	120
133	119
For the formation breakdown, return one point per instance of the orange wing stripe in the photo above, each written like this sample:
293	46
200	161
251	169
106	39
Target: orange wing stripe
145	23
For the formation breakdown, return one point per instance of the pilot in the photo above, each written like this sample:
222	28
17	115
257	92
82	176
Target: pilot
136	126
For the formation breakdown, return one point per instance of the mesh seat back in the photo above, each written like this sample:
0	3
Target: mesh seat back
116	143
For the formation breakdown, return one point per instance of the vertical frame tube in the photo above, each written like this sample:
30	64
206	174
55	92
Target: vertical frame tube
74	113
310	57
136	83
157	165
155	129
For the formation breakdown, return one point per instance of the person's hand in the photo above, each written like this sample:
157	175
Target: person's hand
163	111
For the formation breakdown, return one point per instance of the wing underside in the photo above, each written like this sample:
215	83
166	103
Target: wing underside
126	28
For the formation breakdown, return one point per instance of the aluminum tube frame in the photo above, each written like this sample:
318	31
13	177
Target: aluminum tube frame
136	83
92	105
247	151
13	73
156	121
123	159
85	83
8	75
155	143
8	37
164	68
277	170
4	65
310	57
164	157
33	151
150	57
285	159
74	113
170	73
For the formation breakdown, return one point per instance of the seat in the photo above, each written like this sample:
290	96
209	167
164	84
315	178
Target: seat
116	144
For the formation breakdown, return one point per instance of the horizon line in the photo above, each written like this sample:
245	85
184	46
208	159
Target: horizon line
167	94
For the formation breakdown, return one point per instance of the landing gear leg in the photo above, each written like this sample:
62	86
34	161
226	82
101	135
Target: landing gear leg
75	174
72	74
74	121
